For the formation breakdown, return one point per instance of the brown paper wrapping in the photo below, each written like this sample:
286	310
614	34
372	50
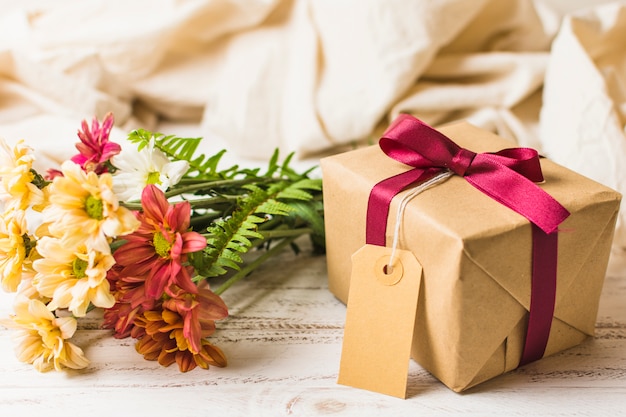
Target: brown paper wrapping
476	257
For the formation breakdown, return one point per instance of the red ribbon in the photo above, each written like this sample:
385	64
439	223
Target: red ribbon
507	176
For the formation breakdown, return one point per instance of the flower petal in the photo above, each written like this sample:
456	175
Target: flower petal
67	325
193	242
156	281
154	203
178	216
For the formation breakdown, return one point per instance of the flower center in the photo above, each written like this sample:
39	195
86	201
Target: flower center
94	207
154	178
79	268
28	244
161	245
38	181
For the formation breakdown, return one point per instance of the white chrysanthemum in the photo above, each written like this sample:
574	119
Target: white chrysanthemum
136	169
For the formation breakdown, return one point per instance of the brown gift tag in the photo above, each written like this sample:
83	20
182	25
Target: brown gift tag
380	317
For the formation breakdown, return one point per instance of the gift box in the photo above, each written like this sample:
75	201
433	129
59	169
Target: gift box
476	254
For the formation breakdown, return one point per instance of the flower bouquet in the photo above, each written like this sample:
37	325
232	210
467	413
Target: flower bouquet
140	232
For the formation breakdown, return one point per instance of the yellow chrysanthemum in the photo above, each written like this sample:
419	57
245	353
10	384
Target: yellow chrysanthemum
84	209
27	288
72	277
16	177
45	198
42	338
13	248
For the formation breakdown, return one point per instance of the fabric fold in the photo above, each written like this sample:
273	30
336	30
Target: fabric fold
316	77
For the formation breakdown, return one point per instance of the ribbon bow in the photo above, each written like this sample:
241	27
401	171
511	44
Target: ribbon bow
507	176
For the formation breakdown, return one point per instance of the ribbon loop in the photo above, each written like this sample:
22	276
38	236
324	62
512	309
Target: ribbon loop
507	176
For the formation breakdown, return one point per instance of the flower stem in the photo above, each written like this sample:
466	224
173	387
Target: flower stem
131	205
277	234
207	185
204	219
253	265
209	202
196	203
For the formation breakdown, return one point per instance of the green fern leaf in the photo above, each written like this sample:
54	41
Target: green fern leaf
296	191
275	208
178	148
294	194
308	184
231	236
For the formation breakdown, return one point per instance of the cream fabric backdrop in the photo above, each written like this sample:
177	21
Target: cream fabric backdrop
316	76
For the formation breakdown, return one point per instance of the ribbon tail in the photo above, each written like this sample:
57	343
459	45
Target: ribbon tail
543	294
516	192
380	197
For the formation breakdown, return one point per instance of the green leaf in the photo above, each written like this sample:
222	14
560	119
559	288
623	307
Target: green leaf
311	213
272	165
230	236
275	208
177	148
296	191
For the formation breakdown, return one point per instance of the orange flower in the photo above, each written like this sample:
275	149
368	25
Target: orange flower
160	347
199	312
175	331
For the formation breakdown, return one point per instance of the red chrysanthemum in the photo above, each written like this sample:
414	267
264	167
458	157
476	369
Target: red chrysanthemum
121	319
158	249
94	146
130	301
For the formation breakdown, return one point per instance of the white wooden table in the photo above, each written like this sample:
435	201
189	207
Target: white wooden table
283	342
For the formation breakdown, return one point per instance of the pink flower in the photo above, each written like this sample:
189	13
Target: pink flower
159	247
94	146
52	173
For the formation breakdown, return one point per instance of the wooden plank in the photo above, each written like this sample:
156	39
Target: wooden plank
283	341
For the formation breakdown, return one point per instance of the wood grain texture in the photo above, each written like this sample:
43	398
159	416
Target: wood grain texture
283	341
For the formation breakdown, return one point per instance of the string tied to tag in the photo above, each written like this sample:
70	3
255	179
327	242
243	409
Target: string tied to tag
414	192
508	176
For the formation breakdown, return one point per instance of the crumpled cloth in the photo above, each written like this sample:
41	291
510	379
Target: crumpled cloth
302	75
583	117
317	77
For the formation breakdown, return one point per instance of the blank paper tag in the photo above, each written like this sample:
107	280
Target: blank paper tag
380	318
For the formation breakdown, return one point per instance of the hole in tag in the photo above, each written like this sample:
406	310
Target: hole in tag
388	274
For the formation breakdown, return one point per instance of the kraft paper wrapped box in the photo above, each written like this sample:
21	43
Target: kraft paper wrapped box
474	298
